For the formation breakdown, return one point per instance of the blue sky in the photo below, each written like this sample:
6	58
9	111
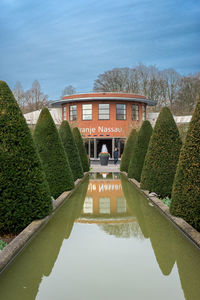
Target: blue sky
71	42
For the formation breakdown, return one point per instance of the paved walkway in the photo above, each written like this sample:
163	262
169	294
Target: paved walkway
109	168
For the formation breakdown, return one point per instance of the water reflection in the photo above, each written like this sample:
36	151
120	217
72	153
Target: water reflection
168	243
105	198
153	226
106	206
123	230
119	210
25	274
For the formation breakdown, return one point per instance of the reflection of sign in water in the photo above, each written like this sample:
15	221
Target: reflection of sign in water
105	197
103	187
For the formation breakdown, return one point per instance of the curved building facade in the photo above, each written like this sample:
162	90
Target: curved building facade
104	118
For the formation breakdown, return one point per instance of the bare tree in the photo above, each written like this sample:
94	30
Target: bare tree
143	74
149	82
34	98
162	86
19	94
108	82
172	79
188	94
117	80
141	79
69	90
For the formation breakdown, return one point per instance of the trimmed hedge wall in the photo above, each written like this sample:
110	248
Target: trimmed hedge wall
162	156
186	187
140	150
52	154
24	192
128	149
81	149
71	150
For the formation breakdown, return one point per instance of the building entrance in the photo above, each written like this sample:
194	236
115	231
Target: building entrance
107	142
94	145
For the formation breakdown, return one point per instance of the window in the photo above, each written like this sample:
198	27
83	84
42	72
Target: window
87	111
121	205
104	205
73	112
143	112
121	111
104	111
88	205
64	113
135	112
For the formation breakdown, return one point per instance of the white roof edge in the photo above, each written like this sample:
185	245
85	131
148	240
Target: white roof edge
144	100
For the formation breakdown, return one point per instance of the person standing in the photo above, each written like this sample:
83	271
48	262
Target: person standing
115	154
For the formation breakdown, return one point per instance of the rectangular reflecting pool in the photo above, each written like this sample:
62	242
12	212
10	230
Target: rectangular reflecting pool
107	242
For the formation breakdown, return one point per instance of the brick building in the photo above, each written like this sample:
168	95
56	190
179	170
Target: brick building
104	118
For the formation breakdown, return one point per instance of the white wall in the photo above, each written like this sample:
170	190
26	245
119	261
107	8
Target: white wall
32	117
152	117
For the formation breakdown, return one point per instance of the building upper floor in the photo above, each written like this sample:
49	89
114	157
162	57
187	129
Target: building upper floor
102	114
97	113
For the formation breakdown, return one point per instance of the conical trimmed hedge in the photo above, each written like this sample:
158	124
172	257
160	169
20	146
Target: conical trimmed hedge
54	159
24	192
140	150
162	156
128	149
71	150
81	149
186	187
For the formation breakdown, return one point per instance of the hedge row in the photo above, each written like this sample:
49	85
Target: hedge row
32	168
82	150
162	156
139	151
71	150
128	150
186	187
168	169
24	192
54	159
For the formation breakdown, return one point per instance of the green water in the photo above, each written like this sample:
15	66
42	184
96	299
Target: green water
127	252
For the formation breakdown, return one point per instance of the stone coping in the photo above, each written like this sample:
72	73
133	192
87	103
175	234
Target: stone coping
9	253
192	234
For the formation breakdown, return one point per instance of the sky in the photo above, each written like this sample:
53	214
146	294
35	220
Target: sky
60	42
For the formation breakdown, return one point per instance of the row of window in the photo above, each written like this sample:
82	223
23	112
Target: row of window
104	112
104	205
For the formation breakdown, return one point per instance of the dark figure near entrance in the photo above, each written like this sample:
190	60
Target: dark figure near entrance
115	154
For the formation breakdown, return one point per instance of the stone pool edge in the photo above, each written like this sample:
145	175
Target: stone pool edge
8	254
192	234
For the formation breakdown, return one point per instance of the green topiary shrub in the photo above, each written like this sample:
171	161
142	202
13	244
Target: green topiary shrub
128	149
162	156
24	192
81	149
186	187
71	150
54	159
2	245
140	150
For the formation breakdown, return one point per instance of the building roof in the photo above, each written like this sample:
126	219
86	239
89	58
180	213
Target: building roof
102	96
